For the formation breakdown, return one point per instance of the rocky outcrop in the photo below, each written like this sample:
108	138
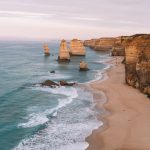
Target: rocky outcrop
77	48
104	44
119	45
64	55
53	71
83	66
46	50
64	83
118	48
101	44
49	83
90	43
53	84
137	62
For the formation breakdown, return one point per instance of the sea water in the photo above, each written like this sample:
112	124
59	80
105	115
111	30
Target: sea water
43	118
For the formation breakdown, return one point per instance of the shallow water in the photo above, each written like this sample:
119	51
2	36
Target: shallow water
41	117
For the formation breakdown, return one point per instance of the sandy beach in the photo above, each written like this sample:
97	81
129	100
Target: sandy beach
127	123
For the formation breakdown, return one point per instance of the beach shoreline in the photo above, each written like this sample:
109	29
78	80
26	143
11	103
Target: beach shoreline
124	115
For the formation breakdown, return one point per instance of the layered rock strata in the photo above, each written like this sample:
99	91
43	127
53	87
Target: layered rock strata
137	62
64	55
119	45
90	43
77	48
101	44
118	48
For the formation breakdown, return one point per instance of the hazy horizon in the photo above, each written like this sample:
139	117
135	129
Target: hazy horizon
46	19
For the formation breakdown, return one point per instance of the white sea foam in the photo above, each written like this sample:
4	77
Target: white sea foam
67	91
34	120
60	137
99	75
69	129
40	117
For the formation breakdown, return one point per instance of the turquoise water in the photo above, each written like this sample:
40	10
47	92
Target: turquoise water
34	117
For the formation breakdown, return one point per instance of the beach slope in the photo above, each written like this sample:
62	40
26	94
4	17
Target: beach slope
127	127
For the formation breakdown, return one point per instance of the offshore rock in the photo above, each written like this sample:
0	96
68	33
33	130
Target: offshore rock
77	48
53	71
46	50
137	62
83	66
53	84
49	83
64	83
64	55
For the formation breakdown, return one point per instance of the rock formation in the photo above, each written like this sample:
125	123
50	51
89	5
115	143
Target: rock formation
104	44
53	71
64	83
46	50
90	43
49	83
83	66
77	48
136	50
101	44
118	49
137	62
53	84
64	55
119	45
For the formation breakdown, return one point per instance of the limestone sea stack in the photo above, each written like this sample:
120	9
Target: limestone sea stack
83	66
64	55
137	62
46	50
77	48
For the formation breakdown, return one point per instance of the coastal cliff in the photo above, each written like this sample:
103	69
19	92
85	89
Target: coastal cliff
119	46
64	55
137	62
101	44
136	49
77	48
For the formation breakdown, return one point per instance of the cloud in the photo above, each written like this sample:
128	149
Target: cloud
24	14
96	17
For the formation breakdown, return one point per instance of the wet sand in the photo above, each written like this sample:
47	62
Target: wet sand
127	119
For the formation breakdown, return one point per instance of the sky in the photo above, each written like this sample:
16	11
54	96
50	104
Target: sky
83	19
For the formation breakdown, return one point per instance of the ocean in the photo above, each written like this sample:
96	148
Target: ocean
42	118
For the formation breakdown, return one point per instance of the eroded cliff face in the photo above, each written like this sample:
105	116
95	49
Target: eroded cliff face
77	48
118	48
104	43
90	43
64	55
137	62
101	44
